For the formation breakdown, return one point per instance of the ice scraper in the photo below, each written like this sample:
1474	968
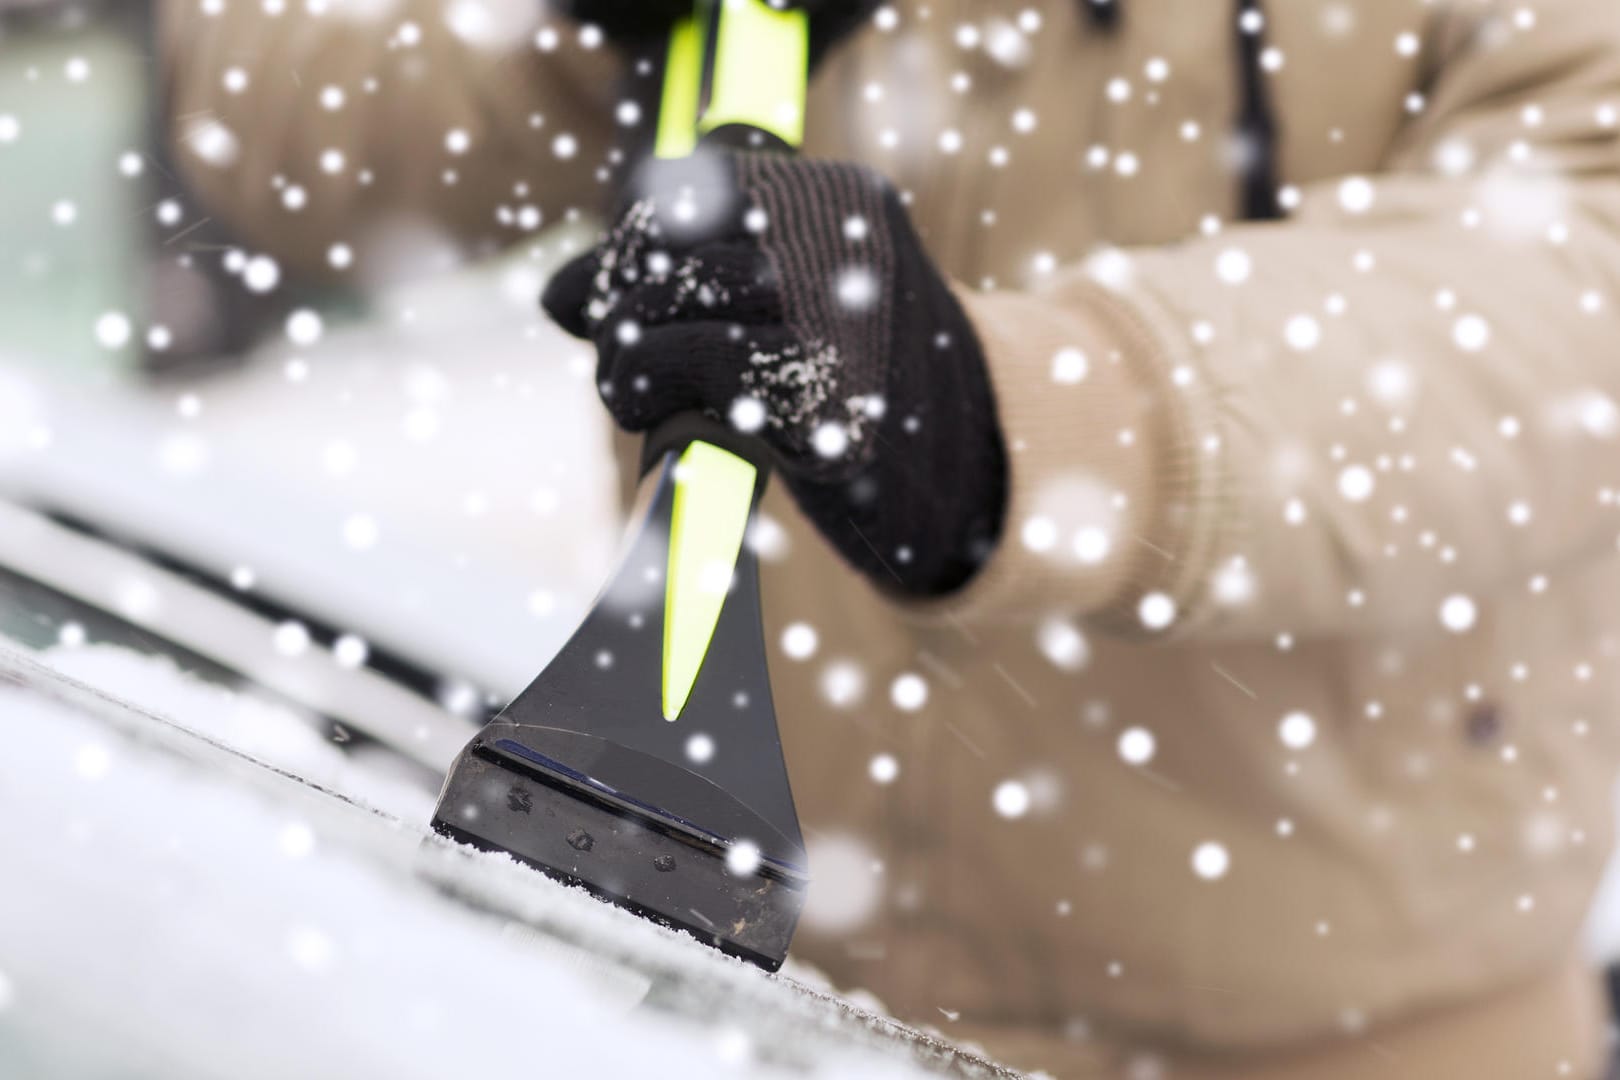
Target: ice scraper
644	762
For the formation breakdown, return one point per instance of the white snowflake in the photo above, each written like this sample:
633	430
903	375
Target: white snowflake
1011	799
800	640
1136	745
1297	730
1211	861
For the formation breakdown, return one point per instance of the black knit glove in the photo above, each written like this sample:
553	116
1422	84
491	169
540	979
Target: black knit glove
793	299
633	22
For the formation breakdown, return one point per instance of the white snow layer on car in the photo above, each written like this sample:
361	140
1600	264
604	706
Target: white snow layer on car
174	909
268	731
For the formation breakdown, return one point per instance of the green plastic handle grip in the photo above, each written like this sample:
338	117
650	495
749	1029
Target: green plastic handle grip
754	74
738	65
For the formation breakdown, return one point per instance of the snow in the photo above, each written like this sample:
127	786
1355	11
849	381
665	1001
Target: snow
1137	745
843	684
224	918
883	769
112	330
1063	644
342	477
909	692
1457	614
1210	860
1297	730
1011	799
286	912
252	724
1156	610
1069	366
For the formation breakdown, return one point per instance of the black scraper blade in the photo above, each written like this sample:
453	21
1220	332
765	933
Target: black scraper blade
687	822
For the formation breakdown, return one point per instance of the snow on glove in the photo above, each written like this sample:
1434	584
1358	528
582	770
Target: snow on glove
794	299
634	22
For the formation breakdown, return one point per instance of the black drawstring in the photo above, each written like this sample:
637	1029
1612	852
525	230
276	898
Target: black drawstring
1256	124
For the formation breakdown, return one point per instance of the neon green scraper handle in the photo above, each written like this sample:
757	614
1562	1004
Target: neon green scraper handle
752	78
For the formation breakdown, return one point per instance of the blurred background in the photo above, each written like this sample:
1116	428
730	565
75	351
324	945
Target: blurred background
414	465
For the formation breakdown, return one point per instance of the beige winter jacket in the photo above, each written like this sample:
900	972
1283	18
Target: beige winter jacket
1276	739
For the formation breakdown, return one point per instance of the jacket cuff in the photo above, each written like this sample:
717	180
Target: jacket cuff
1114	487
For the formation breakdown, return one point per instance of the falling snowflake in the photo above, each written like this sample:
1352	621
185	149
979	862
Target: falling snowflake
843	684
743	858
1356	483
350	651
1302	332
1156	611
747	414
1136	745
304	327
261	274
799	641
1457	614
213	142
1233	584
909	692
1233	266
1356	194
1297	730
1062	644
830	439
1039	533
857	289
1211	861
1598	413
1091	544
700	748
1471	333
1392	383
113	330
290	639
1069	366
1011	799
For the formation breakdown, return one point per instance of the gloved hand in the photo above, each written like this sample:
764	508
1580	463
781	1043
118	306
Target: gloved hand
793	299
637	21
